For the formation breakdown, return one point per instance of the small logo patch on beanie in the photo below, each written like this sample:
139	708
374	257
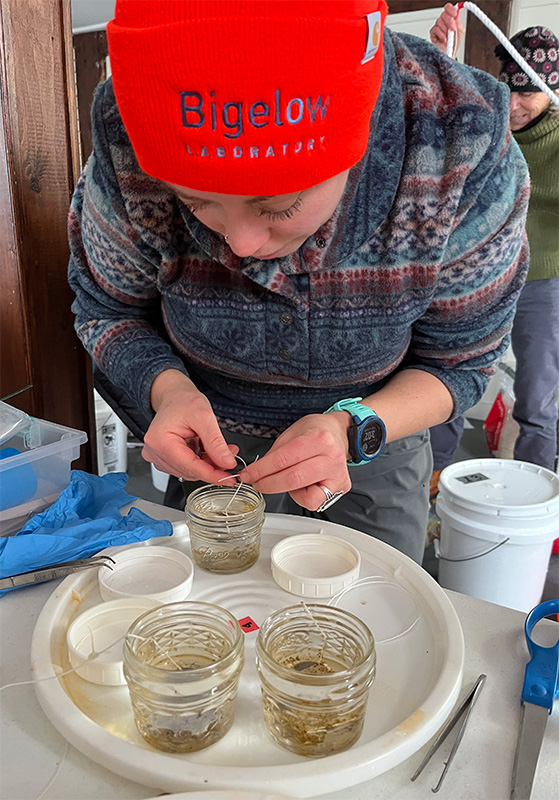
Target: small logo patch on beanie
374	28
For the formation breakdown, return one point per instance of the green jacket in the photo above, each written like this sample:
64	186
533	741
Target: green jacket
540	146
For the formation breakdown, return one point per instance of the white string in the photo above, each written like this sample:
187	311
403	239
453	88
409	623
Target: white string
513	52
240	483
315	623
91	657
61	762
156	643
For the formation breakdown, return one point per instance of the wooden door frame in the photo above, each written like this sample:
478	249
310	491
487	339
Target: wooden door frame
42	359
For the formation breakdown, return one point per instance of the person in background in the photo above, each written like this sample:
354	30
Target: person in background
300	237
534	122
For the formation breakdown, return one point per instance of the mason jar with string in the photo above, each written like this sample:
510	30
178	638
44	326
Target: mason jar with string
225	524
182	664
316	664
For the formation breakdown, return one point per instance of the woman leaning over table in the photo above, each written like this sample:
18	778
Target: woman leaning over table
289	207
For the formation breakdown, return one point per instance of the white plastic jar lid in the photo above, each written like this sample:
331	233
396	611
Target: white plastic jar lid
159	573
102	629
314	565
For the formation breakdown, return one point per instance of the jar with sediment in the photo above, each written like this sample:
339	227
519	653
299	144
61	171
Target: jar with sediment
225	524
316	664
182	664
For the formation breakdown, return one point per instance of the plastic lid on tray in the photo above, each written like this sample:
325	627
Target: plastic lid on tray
159	573
314	565
101	630
386	607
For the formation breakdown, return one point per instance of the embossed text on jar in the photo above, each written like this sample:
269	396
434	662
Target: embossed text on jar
225	524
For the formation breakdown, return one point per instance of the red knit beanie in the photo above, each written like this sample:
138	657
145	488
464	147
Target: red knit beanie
248	97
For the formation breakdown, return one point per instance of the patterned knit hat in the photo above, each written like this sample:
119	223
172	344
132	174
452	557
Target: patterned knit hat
540	49
248	97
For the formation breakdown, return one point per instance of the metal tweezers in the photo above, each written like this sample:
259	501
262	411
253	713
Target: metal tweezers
468	703
55	571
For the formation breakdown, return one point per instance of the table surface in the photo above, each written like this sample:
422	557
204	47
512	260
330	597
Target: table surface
33	753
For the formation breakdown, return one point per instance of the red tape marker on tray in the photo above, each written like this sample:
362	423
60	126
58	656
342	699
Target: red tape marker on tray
248	624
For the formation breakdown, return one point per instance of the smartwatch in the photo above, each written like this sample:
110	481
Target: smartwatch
366	434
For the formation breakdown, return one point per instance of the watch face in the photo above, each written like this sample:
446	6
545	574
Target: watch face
371	438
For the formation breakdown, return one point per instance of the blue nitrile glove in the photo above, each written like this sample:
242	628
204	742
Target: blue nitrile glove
82	521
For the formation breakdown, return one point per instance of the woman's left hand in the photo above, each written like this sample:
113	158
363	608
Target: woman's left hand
309	454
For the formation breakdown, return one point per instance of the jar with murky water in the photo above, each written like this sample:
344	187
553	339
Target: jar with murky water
316	664
182	664
225	524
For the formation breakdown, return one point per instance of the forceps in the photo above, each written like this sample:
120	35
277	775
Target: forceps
467	703
55	571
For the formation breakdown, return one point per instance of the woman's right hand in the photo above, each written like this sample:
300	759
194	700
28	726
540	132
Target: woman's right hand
184	438
449	20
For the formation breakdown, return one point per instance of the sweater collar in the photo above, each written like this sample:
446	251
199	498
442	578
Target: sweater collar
549	123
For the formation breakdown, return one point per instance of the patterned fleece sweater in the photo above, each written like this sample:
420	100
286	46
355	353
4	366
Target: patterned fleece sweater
420	265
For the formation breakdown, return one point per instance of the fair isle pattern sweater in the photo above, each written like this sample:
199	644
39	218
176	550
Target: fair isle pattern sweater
419	267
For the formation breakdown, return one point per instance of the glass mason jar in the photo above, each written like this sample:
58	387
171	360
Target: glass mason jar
316	664
182	664
225	524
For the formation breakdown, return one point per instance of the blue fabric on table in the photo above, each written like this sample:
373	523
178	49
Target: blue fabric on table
82	521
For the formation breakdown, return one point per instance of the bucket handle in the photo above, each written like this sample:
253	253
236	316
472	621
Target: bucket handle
467	558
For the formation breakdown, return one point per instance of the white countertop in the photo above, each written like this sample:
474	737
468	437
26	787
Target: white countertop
31	749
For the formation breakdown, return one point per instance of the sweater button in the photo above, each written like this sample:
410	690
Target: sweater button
320	242
285	354
286	318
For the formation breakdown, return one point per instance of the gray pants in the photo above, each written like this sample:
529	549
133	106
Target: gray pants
535	343
389	498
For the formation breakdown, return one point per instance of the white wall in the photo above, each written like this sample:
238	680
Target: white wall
94	14
91	14
535	12
418	23
523	14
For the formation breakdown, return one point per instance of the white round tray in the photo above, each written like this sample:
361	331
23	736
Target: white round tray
419	675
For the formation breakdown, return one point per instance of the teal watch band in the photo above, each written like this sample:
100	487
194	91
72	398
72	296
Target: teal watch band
366	434
354	406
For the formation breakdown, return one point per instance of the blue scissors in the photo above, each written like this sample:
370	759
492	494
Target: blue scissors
541	688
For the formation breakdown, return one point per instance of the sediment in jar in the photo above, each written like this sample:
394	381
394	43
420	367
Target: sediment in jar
308	728
183	732
225	559
307	731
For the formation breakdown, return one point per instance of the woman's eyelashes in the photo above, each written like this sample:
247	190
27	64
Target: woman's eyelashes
195	207
286	213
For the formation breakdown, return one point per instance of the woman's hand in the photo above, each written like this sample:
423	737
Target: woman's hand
312	451
184	438
449	20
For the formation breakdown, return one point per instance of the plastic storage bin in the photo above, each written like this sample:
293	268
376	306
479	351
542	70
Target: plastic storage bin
34	468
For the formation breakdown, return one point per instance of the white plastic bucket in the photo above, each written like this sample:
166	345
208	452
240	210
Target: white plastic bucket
498	522
159	479
112	435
